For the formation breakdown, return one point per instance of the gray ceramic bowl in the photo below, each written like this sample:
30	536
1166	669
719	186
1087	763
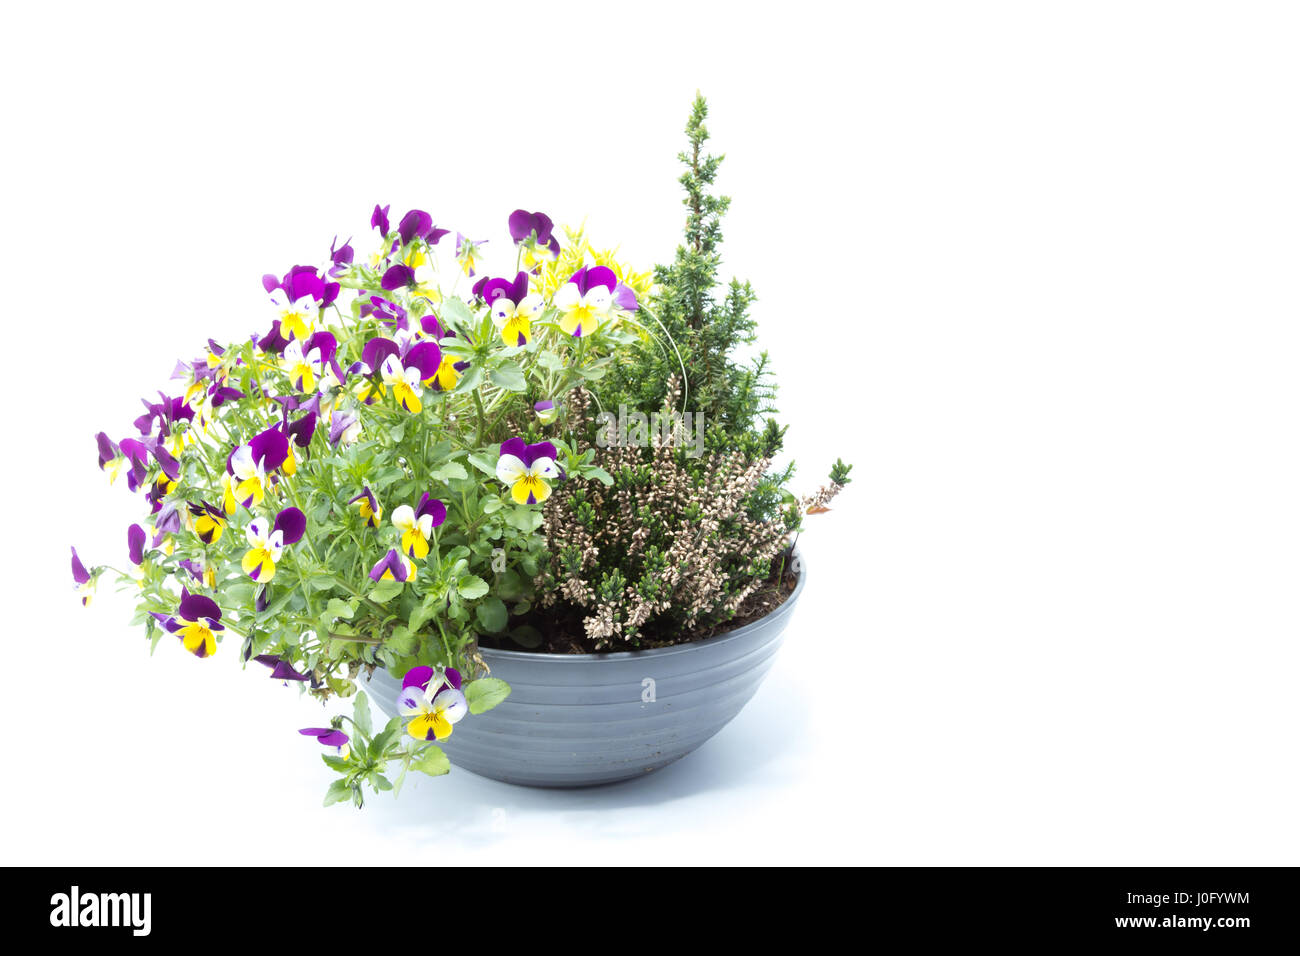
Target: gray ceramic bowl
576	720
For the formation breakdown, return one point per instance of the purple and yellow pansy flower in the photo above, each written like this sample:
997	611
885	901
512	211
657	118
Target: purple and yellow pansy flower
208	522
469	252
196	622
525	468
449	369
205	574
368	507
330	739
532	231
83	579
394	566
513	307
433	700
584	301
280	668
416	525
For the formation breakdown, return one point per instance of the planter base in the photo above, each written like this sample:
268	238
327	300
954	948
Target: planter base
581	720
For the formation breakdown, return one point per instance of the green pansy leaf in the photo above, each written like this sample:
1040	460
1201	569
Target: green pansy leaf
492	614
385	591
402	641
510	377
361	713
483	465
471	586
485	693
452	469
432	761
337	608
339	791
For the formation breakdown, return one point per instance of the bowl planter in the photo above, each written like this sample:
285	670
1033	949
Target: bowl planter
577	720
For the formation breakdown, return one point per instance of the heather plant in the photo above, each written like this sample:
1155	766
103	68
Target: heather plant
689	536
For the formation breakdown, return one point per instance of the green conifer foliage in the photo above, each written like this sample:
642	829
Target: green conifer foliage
706	320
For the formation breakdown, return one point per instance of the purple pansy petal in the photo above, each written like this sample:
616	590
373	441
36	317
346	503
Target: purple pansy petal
170	466
324	341
425	356
135	543
107	450
283	670
397	277
376	350
524	224
197	607
433	507
340	422
379	219
415	223
270	447
514	446
418	677
543	449
335	738
587	278
79	572
273	341
293	523
625	298
302	429
393	562
453	677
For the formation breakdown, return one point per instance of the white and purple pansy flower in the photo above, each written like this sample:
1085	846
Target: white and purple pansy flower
584	301
403	370
513	307
546	411
433	700
303	366
525	468
394	566
250	465
195	622
416	525
345	428
299	297
331	739
266	541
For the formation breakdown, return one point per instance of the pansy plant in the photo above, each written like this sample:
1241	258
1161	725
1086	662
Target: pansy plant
264	476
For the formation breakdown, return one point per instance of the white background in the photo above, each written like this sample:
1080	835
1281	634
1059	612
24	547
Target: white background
1031	267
